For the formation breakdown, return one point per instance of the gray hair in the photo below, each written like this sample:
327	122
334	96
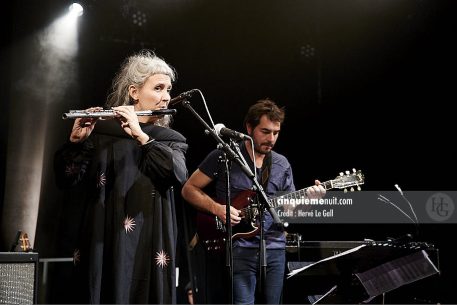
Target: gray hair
135	70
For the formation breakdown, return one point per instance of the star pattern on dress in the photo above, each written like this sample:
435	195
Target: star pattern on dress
71	169
129	224
101	180
162	259
76	257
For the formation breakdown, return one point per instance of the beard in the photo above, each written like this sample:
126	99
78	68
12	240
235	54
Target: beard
258	148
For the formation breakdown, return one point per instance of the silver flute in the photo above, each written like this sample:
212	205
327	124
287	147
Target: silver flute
75	114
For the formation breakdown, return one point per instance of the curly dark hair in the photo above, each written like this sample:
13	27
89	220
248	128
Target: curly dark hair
264	107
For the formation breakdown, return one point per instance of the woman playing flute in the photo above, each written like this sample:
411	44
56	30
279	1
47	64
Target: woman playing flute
126	169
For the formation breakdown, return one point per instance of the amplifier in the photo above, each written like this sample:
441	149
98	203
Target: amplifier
18	277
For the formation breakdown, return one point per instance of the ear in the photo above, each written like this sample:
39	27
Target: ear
133	92
249	129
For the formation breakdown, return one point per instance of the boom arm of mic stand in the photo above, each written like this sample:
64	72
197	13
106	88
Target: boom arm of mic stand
266	202
236	158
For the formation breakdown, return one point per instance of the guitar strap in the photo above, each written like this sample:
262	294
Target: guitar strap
265	171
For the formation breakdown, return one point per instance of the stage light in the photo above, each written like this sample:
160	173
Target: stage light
139	18
76	9
46	83
307	51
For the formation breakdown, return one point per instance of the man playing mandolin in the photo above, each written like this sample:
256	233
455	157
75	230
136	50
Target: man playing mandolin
273	171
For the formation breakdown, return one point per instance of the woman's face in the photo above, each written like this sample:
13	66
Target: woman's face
154	94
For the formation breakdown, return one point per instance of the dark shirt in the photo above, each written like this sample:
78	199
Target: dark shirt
280	180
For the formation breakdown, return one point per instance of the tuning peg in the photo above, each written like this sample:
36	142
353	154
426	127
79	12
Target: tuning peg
341	174
352	189
354	171
359	188
345	190
347	173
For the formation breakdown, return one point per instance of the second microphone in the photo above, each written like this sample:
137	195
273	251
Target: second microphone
221	130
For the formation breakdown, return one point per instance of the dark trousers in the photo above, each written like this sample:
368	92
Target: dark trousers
246	274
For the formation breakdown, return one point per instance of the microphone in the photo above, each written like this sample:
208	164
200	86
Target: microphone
409	203
399	189
221	130
182	97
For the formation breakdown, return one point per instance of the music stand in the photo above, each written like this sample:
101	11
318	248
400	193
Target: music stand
367	271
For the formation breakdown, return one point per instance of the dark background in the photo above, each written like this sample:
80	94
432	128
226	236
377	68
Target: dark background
366	85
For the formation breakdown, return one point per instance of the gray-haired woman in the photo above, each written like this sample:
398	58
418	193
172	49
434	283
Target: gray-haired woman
126	169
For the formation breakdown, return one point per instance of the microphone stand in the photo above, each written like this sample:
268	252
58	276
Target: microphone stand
228	228
262	254
227	156
262	242
231	155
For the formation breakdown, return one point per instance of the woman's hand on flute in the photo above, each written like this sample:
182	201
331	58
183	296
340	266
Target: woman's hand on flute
129	122
82	127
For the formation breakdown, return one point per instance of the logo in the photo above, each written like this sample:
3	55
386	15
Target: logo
439	207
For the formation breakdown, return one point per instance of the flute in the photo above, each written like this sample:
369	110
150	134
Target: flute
75	114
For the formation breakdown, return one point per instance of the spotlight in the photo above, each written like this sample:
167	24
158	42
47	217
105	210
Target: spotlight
76	9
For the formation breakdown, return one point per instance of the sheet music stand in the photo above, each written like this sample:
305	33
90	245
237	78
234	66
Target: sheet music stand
365	272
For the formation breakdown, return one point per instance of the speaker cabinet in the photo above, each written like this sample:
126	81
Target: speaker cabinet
18	277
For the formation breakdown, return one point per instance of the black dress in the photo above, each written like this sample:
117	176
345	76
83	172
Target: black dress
127	242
